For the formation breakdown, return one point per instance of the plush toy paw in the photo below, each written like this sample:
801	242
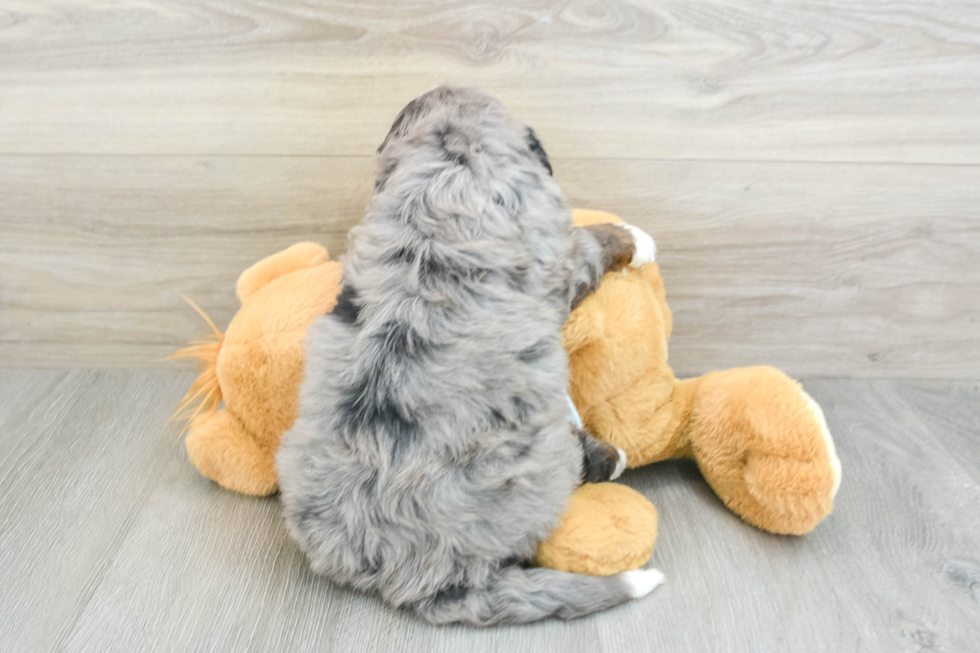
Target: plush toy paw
644	249
222	450
608	528
764	447
817	413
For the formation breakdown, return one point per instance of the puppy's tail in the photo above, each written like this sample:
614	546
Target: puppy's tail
516	595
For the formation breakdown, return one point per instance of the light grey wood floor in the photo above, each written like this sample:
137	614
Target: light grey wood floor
110	541
811	170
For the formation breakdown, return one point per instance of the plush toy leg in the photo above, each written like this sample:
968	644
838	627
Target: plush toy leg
223	451
764	447
608	528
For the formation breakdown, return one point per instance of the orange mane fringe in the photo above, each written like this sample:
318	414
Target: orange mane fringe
205	392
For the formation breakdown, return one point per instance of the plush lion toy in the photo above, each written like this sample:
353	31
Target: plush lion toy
760	441
255	368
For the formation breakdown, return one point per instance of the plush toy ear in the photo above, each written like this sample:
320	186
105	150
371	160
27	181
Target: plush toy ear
298	257
588	217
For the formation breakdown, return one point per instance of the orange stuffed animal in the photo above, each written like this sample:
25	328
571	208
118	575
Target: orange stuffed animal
759	440
256	368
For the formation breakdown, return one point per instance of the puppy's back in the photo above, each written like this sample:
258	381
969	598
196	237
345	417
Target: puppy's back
431	443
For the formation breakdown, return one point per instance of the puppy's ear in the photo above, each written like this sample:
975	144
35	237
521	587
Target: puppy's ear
537	150
408	118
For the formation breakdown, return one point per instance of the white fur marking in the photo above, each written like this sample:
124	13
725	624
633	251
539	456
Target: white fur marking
825	432
620	466
641	582
573	415
645	249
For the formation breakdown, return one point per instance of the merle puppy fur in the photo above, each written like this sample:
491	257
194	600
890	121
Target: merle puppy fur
433	449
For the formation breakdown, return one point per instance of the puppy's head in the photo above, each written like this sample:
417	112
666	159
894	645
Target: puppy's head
462	127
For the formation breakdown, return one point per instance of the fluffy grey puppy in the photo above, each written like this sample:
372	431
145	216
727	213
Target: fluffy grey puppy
433	448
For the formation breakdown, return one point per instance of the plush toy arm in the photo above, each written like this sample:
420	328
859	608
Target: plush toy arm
298	257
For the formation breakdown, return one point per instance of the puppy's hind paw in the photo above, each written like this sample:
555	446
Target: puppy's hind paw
644	249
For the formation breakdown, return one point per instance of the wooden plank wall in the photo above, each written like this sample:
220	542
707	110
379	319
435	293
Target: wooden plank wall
811	171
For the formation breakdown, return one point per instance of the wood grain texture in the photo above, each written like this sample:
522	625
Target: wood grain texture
82	453
862	81
829	270
811	170
866	270
97	251
111	541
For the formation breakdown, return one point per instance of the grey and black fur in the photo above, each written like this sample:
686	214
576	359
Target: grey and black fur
433	449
